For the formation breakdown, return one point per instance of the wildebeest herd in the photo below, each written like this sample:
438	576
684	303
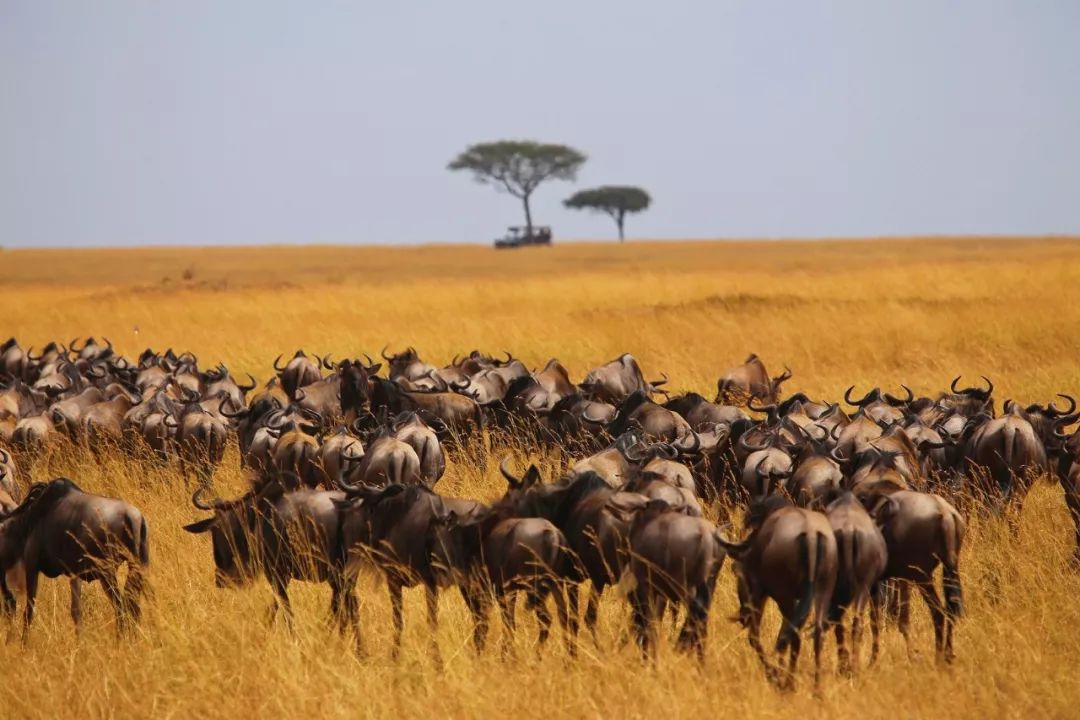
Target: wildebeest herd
844	511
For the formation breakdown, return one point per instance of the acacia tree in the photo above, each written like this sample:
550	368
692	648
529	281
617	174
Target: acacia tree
519	166
615	200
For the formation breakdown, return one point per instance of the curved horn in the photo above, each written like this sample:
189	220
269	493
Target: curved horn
459	386
384	355
370	362
248	388
231	415
858	403
662	381
7	457
196	500
769	410
509	358
108	343
1066	420
895	401
1051	410
73	343
694	448
586	416
326	362
952	385
989	385
278	367
745	445
510	477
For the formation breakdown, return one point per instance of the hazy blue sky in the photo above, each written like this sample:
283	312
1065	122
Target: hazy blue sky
146	122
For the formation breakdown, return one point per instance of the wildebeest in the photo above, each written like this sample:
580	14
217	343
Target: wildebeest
616	380
882	408
284	535
861	559
299	372
674	558
60	530
789	556
493	554
460	414
200	441
750	381
411	430
921	531
391	527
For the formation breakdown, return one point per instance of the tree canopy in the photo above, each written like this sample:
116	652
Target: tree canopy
615	200
519	166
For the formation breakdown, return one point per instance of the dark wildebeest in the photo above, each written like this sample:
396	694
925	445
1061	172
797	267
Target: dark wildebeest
297	373
766	468
615	381
391	526
460	414
595	519
816	477
388	461
656	422
612	463
286	536
862	556
674	558
407	367
789	556
413	431
971	401
60	530
882	408
750	380
200	441
922	531
1004	455
492	554
701	414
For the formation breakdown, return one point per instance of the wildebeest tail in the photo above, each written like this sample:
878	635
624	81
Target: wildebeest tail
952	534
137	543
812	559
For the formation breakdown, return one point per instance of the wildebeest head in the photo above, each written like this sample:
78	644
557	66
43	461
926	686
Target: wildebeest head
970	401
356	383
750	380
233	528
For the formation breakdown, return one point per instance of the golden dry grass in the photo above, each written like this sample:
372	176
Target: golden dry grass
839	313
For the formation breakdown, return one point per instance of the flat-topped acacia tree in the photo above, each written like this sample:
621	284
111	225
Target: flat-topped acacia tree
519	166
615	200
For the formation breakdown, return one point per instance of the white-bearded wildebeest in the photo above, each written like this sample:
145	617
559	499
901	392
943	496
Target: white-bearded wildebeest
60	530
391	527
673	558
284	535
789	556
615	381
861	558
921	531
750	381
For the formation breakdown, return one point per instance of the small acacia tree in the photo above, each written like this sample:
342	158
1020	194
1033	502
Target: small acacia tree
519	166
615	200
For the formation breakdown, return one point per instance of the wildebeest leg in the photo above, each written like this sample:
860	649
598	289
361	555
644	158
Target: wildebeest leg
76	603
399	618
697	620
9	597
280	584
819	628
31	599
566	621
856	630
875	623
842	654
507	601
432	596
112	590
903	592
537	600
573	609
478	606
793	657
592	611
937	614
753	635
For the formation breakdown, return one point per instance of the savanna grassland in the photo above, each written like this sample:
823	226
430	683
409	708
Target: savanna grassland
838	313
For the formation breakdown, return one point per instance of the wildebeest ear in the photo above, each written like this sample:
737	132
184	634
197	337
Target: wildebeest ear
201	526
532	477
374	368
343	504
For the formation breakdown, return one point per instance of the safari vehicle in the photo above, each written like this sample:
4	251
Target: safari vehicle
519	236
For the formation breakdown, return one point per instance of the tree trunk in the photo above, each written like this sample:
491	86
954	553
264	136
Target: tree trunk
528	217
619	221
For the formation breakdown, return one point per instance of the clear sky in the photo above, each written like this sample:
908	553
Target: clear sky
206	122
